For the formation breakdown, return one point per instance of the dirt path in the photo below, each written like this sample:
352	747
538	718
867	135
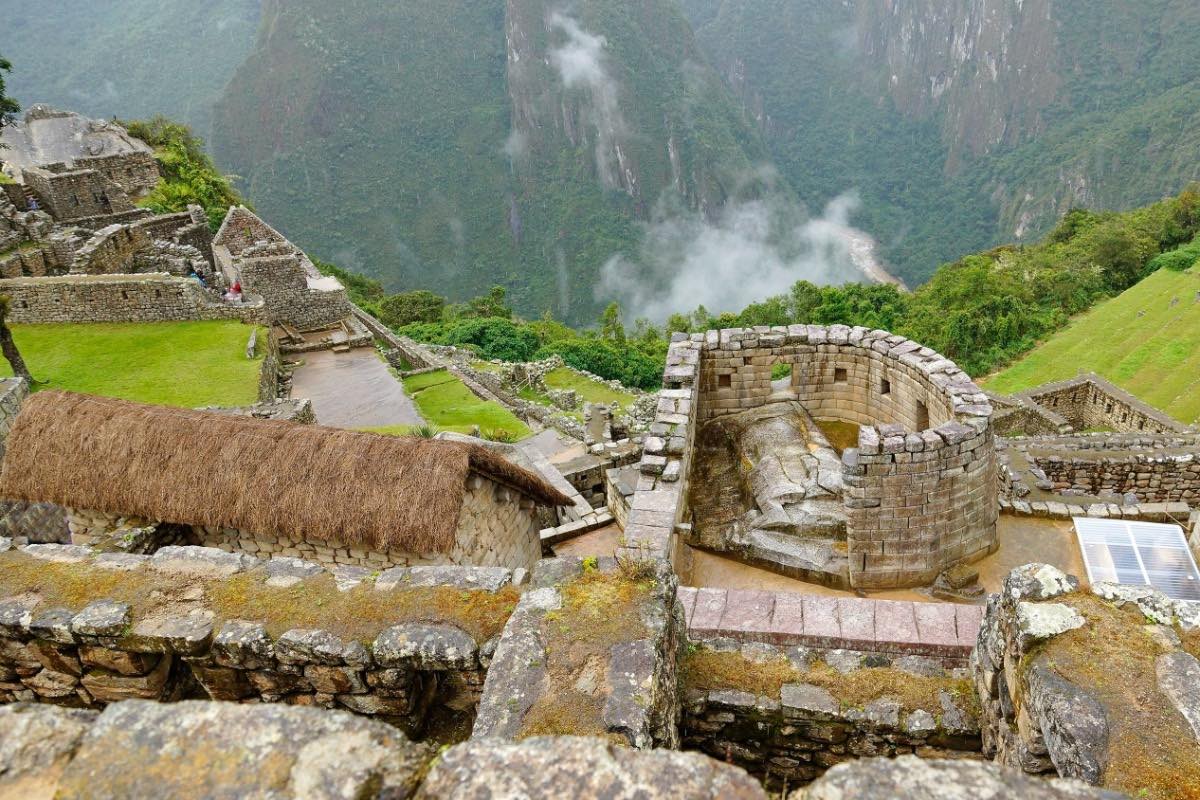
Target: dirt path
353	390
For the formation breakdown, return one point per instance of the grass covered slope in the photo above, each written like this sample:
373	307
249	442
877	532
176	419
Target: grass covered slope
1139	340
186	364
445	402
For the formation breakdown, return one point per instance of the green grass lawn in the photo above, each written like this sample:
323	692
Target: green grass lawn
588	390
444	401
1155	357
184	364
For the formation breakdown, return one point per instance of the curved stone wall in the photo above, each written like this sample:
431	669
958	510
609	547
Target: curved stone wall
920	489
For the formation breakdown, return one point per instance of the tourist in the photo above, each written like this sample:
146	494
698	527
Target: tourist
196	277
33	204
234	295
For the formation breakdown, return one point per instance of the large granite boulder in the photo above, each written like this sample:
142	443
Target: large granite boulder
912	778
36	742
578	767
140	749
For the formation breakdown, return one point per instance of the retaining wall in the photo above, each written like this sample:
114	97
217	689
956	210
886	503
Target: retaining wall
119	298
191	636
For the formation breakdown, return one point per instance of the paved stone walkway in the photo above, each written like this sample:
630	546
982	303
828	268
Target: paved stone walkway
353	390
783	618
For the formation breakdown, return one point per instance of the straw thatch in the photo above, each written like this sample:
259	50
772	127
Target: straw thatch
259	476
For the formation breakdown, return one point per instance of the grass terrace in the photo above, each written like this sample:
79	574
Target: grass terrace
446	402
1146	340
186	364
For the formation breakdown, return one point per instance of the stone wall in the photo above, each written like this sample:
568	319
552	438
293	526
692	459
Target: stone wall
920	488
1152	477
591	649
1101	687
118	298
497	528
792	735
111	250
72	194
283	283
187	633
1089	402
137	172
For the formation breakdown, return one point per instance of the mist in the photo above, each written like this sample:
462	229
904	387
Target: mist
755	249
581	63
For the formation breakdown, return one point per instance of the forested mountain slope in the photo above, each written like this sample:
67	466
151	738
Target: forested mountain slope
459	144
966	122
126	58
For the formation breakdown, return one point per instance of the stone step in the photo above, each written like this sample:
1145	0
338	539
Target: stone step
571	530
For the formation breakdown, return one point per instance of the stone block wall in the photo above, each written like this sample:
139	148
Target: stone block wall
1077	684
195	641
1090	402
111	250
73	194
794	736
242	229
137	172
921	488
119	298
558	667
1153	477
284	284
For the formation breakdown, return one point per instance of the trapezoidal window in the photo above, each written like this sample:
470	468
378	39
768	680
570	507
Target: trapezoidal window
922	416
885	386
724	381
840	375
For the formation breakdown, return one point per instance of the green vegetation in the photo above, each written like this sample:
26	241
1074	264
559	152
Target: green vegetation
92	57
446	402
189	174
363	291
588	390
434	200
1147	341
187	364
8	105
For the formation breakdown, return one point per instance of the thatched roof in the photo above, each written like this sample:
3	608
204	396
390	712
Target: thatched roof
260	476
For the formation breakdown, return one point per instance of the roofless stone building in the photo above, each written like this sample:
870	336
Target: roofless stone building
139	477
737	462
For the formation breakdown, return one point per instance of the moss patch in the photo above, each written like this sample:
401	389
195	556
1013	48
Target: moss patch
1152	753
600	610
360	614
705	669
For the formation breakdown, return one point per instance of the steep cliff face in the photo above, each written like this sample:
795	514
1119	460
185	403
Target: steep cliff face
988	69
455	145
963	123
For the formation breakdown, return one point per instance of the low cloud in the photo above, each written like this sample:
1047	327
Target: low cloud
581	63
753	250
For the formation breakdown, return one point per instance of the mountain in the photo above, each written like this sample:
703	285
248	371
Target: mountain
456	144
127	58
459	144
963	123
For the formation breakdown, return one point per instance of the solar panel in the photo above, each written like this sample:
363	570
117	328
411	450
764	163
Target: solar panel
1140	554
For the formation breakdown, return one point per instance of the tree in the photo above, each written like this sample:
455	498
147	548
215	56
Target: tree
8	106
493	304
409	307
9	347
611	328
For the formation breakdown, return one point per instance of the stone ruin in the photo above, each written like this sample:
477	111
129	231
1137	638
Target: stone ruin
736	461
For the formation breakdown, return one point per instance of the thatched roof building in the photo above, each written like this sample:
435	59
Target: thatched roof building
266	476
